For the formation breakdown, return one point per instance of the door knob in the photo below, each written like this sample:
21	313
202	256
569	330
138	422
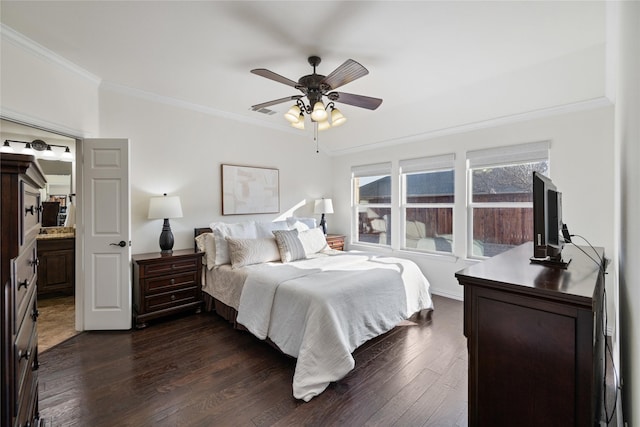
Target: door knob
122	244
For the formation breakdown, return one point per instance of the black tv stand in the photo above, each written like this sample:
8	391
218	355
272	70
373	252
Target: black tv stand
551	262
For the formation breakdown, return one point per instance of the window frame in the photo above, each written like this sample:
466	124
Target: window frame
494	158
363	171
429	164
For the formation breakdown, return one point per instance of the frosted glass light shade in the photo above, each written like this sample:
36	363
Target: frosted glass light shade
293	114
300	123
337	118
323	206
319	114
48	152
324	125
6	148
165	207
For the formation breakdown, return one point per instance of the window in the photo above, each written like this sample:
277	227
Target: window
427	200
372	203
500	203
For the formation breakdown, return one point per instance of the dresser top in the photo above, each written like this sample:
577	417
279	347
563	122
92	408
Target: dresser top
512	270
157	256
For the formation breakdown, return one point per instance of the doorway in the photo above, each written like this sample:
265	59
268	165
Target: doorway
56	242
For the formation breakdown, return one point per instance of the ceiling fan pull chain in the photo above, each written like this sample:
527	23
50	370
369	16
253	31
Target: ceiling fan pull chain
315	135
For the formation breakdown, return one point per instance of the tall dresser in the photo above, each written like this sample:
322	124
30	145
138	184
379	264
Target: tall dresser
535	339
21	216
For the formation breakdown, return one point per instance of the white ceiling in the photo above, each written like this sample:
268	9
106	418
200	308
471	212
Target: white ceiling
426	59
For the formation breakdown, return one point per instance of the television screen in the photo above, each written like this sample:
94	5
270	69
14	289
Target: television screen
547	222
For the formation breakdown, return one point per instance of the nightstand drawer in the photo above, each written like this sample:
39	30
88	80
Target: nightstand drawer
168	283
171	299
165	284
335	241
174	266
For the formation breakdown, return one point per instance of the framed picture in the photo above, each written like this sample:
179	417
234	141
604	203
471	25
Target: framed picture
250	190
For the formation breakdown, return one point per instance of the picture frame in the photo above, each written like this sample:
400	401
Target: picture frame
249	190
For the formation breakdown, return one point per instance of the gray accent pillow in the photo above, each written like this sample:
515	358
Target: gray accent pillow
289	245
252	251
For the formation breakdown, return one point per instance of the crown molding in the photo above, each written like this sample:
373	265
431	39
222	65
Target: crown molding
34	122
590	104
186	105
36	49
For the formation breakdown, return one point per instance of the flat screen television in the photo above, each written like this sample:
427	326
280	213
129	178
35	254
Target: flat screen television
548	238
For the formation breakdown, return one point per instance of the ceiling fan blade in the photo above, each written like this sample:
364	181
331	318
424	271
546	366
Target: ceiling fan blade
346	73
355	100
275	101
274	76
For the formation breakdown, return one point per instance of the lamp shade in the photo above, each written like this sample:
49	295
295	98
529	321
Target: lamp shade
165	207
319	114
323	206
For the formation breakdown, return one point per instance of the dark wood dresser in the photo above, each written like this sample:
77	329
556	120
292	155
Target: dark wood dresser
165	284
21	216
535	339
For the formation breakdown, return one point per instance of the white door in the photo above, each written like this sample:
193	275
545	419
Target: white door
106	228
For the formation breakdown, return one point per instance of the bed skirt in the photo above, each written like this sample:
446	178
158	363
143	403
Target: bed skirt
225	311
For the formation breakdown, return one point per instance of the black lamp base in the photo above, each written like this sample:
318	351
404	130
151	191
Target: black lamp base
323	225
166	238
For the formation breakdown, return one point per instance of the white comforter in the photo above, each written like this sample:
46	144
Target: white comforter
320	310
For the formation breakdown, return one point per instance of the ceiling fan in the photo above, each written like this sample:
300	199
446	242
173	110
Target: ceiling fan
316	86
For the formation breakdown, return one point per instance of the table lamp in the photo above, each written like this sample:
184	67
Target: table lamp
165	207
323	206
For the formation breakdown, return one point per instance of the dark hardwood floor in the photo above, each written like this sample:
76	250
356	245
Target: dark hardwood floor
196	370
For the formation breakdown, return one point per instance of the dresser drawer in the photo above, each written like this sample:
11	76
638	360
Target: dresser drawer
25	349
27	405
171	299
168	283
174	266
24	276
30	213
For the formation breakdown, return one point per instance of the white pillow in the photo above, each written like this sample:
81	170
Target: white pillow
252	251
221	230
289	245
206	244
313	240
309	222
264	229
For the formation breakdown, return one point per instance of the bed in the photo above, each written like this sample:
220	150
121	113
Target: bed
281	282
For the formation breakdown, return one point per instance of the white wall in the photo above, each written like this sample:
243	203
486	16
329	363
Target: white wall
44	90
179	151
581	167
627	137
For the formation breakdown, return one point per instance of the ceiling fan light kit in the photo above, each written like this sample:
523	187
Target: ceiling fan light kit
316	86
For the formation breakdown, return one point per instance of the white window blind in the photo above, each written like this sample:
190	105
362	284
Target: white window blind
372	170
513	154
426	164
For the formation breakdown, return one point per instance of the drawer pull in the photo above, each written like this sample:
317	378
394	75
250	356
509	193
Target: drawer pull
26	355
173	297
35	314
25	283
173	281
30	210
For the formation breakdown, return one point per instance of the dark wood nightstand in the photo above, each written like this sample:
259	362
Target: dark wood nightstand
335	241
164	284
